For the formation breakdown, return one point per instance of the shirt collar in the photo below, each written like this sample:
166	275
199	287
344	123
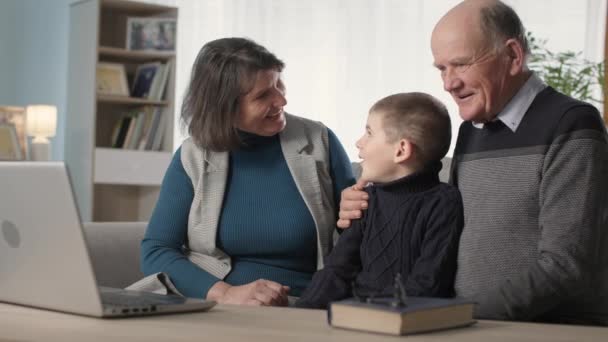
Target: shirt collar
514	111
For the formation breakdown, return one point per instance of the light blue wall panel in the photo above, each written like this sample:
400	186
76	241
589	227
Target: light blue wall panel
33	57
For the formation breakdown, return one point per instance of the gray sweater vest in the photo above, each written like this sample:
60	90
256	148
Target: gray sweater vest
306	149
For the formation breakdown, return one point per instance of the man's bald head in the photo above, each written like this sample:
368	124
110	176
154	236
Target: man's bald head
490	21
480	48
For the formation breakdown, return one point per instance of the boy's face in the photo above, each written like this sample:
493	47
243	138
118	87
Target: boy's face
377	154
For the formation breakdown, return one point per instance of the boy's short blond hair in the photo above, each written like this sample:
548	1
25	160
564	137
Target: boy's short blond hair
421	119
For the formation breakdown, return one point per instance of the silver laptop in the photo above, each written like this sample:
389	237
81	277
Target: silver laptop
44	260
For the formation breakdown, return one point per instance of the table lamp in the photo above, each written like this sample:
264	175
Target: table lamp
41	123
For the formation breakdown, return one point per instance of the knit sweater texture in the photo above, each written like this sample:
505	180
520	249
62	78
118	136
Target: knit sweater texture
412	227
536	214
264	224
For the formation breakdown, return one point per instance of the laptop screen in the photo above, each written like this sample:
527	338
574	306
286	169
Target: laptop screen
43	256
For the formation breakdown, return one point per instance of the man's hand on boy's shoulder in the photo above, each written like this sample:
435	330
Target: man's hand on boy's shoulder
353	201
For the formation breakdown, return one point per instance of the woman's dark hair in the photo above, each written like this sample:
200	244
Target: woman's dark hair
224	70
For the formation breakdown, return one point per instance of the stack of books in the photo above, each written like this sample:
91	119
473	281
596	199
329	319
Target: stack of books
140	129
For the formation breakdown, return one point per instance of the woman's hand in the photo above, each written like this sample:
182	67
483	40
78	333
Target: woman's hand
352	202
259	292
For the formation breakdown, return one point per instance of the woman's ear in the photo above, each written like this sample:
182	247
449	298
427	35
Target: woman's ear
516	55
403	151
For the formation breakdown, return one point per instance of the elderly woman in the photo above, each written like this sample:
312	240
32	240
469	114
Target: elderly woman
247	208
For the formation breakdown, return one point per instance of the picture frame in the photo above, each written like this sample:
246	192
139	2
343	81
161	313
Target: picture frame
112	79
9	143
14	115
151	34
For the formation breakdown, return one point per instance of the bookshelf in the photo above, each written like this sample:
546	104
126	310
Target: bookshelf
110	183
129	100
120	54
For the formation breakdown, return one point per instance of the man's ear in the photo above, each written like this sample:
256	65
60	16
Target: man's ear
517	56
403	151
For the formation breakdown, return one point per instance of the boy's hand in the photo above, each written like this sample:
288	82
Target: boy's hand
353	200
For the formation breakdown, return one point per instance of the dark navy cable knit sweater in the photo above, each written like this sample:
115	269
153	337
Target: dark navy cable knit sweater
412	227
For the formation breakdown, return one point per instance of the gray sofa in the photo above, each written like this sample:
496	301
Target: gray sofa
114	251
114	246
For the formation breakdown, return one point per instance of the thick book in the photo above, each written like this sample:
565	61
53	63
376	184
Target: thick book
419	315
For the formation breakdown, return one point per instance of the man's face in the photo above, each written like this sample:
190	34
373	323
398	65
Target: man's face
474	73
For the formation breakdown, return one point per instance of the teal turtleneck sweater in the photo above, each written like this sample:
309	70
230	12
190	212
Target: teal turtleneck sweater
265	226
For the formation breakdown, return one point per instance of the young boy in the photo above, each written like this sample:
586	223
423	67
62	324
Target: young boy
413	223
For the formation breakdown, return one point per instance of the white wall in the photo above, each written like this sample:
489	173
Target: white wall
341	55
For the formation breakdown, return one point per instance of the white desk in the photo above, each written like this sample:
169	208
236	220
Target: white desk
249	324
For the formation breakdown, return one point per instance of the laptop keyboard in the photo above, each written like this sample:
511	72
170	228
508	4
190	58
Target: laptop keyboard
134	299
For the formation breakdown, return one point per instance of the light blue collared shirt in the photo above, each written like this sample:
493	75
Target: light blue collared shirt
515	110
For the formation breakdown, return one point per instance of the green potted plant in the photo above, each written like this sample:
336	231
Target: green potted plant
568	72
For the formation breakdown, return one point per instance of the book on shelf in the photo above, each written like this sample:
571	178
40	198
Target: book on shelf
137	127
121	134
159	134
115	133
418	315
160	82
111	79
130	130
153	138
144	77
150	80
148	118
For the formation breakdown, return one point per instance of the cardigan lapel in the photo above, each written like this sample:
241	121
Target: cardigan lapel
303	168
212	187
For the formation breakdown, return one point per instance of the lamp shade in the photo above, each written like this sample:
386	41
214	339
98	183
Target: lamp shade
41	120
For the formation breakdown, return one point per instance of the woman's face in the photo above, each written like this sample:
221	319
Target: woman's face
261	109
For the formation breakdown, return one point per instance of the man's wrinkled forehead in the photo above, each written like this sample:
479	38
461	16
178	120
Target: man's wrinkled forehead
462	20
458	38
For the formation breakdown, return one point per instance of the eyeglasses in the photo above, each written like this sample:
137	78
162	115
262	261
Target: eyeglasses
398	298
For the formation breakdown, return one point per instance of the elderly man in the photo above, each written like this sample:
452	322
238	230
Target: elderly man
532	167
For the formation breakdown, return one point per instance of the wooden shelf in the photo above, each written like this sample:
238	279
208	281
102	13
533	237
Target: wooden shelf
135	7
130	167
129	100
108	52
